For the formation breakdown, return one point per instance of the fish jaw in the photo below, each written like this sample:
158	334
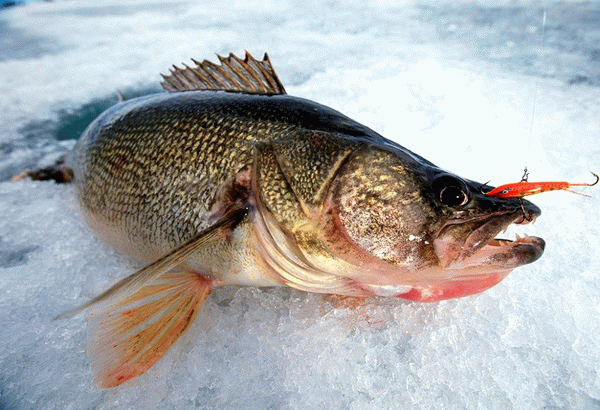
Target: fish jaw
480	271
481	248
473	274
479	263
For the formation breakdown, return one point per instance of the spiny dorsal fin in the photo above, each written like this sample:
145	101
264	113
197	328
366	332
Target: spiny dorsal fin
233	74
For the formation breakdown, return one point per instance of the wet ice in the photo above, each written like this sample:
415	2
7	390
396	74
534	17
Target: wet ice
530	342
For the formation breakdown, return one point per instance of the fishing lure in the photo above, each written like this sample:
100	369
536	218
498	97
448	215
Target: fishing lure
525	188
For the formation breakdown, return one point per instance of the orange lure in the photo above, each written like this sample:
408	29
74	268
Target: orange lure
525	188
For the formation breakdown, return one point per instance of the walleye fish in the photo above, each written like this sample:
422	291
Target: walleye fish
227	180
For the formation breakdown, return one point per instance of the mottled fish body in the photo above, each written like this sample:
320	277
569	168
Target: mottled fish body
151	172
226	179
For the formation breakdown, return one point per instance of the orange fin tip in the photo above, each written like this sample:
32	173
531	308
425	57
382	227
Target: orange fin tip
127	337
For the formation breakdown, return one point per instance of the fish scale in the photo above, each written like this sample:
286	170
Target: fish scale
123	165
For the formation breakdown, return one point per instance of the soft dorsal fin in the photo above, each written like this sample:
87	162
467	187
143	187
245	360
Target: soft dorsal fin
233	74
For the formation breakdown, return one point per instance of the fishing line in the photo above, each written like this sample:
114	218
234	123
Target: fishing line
537	78
541	42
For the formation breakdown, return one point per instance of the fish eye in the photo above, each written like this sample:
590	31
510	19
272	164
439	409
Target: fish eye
451	191
453	196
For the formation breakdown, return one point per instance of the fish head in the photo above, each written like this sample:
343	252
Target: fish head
419	232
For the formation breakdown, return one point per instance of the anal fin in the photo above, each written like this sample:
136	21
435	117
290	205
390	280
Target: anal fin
127	337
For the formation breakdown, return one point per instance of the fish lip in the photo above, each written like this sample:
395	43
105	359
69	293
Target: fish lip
481	248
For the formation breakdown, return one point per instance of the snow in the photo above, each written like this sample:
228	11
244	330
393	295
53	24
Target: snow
454	81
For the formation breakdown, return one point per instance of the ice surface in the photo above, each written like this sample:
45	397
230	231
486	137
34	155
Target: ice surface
455	82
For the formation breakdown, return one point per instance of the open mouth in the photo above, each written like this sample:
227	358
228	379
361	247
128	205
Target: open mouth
482	248
502	242
510	253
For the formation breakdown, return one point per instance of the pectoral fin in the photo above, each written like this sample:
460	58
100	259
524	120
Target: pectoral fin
134	323
137	280
129	336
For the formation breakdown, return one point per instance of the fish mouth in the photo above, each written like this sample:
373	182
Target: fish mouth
481	249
